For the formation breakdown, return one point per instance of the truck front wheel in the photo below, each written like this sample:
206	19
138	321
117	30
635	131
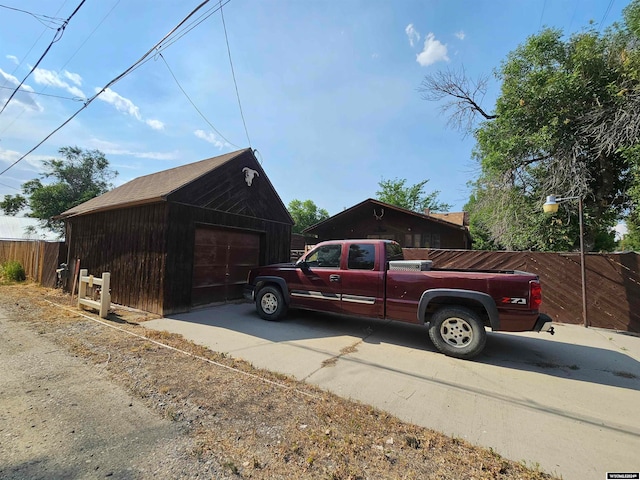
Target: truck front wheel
270	303
457	332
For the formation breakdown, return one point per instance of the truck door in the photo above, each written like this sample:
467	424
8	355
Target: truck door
362	282
318	287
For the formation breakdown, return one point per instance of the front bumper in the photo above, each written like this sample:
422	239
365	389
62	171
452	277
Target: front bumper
544	323
248	292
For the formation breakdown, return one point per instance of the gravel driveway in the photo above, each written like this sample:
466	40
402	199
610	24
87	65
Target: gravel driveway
62	418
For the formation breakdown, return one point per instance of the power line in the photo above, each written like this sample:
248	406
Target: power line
65	64
56	37
233	74
43	19
193	104
606	14
146	57
9	186
75	99
544	6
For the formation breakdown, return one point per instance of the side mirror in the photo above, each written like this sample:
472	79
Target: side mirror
302	265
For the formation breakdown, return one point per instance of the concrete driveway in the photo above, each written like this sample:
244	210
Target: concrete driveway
569	403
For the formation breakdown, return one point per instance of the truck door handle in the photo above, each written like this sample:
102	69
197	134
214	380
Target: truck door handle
334	278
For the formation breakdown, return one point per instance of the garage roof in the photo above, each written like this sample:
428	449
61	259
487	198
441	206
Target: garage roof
151	188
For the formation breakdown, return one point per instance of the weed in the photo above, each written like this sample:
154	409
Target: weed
12	271
231	466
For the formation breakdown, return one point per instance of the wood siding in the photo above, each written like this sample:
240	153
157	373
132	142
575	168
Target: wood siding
613	281
225	189
129	243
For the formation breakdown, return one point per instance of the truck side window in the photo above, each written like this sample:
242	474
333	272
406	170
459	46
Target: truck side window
394	251
362	257
325	256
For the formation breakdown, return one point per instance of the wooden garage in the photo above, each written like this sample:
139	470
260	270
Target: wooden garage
182	237
375	219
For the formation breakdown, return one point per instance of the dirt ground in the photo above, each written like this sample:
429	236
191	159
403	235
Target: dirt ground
81	399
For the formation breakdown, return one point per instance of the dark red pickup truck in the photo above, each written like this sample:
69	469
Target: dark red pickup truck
369	278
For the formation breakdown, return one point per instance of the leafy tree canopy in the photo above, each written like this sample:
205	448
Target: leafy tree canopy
395	192
565	123
305	214
79	176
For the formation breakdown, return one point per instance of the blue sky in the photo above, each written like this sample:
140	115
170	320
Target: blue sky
329	89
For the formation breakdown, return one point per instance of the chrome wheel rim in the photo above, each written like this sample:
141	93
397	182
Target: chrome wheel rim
457	332
269	303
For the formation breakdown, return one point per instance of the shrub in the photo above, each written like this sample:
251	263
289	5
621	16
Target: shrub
12	271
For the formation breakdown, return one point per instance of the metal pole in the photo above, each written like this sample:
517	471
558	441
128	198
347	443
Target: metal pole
583	267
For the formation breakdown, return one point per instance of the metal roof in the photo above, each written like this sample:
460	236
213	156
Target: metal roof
22	228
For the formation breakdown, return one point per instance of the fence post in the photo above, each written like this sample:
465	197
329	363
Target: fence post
82	286
105	296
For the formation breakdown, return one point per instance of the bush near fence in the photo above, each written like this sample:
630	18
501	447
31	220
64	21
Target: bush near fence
613	281
38	257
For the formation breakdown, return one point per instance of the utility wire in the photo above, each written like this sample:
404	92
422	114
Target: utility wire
233	74
606	14
9	186
146	57
64	65
56	37
75	99
43	19
544	6
193	104
160	47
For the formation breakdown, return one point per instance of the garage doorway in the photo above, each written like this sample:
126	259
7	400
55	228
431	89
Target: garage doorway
222	260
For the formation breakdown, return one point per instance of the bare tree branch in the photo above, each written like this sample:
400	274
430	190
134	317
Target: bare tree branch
463	96
614	126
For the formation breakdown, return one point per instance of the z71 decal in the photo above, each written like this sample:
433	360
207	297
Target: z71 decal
514	300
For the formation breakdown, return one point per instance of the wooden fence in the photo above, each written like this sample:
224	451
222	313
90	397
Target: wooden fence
613	281
39	258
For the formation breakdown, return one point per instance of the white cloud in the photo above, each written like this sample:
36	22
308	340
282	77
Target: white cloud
52	79
155	124
460	35
74	77
14	59
433	51
125	105
119	102
20	97
8	156
31	162
620	230
211	138
110	148
412	34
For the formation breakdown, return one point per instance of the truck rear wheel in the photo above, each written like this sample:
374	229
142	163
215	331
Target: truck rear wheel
457	332
270	303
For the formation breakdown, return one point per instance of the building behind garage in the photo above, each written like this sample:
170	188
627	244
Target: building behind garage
183	237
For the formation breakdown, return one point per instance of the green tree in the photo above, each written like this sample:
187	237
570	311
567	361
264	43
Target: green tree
561	125
395	192
12	204
305	214
79	176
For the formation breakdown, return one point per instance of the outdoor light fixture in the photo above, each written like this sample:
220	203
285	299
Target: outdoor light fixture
550	207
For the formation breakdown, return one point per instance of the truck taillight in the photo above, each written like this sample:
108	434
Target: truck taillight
535	294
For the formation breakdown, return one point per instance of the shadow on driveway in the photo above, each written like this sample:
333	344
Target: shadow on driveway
532	352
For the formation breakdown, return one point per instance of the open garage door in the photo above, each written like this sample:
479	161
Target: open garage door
222	260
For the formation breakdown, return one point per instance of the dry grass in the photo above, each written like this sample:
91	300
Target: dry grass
254	423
